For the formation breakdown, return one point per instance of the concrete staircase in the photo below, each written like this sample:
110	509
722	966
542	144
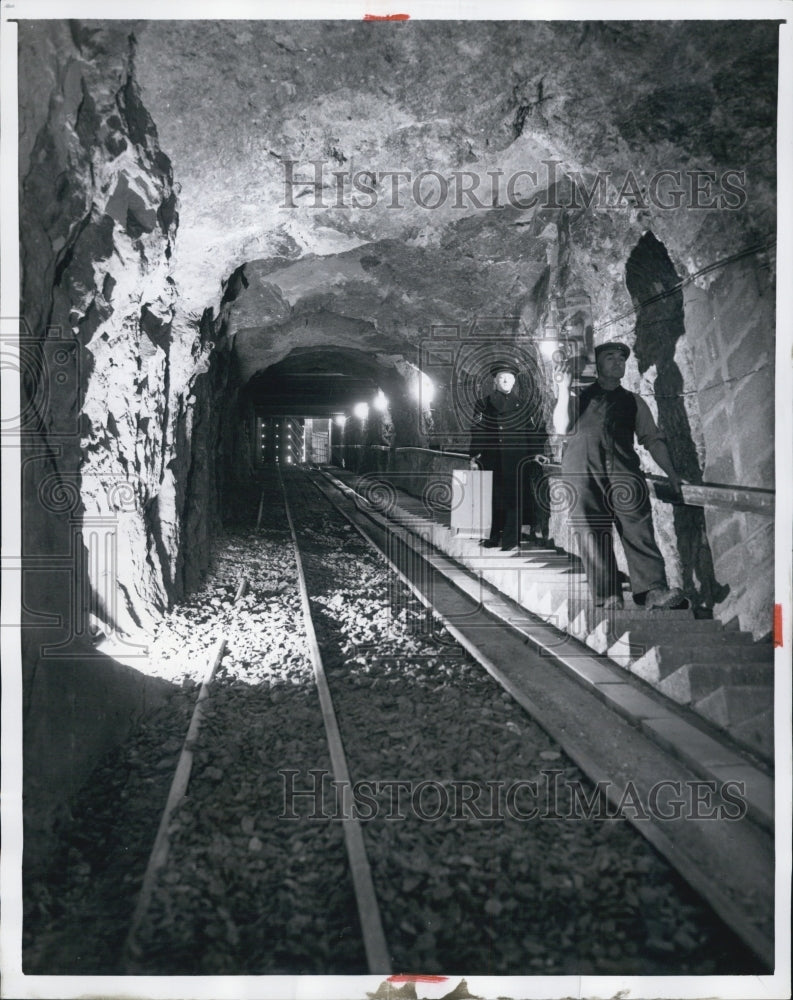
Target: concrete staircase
714	669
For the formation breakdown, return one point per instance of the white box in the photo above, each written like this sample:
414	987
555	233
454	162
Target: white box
472	502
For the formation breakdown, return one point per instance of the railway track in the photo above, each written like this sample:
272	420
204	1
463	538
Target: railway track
374	837
465	761
730	864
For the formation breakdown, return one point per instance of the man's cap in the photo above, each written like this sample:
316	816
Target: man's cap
504	366
612	345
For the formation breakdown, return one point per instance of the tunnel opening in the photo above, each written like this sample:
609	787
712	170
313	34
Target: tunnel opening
352	408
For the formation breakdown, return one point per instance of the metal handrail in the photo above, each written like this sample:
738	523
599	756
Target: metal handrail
722	496
749	499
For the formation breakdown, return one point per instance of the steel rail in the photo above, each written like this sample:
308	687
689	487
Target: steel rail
377	955
261	510
179	783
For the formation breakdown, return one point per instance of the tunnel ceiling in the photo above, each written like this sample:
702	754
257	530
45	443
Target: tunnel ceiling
239	104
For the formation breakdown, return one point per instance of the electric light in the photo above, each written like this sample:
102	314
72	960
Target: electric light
361	410
380	401
424	389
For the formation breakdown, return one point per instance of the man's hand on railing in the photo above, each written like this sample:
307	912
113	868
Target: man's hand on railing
473	463
676	484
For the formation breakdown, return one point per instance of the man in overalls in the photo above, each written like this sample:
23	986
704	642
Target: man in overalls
603	474
504	435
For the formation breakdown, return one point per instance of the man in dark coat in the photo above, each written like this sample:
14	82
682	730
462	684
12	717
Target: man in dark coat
505	435
606	483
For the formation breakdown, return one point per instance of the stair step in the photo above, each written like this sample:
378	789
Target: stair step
571	613
662	660
634	643
540	550
691	631
624	645
729	706
630	614
695	681
640	619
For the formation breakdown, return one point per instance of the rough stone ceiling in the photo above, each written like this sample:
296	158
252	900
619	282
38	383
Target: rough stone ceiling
233	101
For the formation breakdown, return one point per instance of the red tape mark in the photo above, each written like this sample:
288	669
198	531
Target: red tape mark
407	978
777	625
386	17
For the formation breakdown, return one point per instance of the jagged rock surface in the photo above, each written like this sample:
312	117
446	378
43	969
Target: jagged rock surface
99	218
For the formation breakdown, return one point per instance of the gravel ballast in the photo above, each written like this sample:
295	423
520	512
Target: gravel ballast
246	890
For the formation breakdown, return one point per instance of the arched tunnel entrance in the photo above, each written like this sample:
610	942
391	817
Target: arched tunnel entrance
334	403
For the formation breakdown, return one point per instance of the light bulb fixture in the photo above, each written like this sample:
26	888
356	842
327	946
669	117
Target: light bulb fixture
423	389
361	410
548	348
380	401
340	420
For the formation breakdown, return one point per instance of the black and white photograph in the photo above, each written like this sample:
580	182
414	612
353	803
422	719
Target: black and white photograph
396	500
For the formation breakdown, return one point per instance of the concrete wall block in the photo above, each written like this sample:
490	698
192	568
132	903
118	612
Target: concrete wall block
736	302
719	464
725	528
747	567
715	411
752	428
759	540
752	349
730	566
701	333
719	469
667	540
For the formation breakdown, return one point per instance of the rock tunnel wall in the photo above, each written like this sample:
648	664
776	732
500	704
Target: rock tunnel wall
116	404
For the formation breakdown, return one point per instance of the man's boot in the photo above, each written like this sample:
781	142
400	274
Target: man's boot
666	598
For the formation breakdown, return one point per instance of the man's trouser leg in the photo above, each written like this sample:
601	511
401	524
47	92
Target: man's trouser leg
535	510
512	505
645	562
497	523
590	524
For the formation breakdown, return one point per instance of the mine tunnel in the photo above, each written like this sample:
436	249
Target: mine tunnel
253	250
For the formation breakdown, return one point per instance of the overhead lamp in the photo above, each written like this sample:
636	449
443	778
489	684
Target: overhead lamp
340	420
424	389
380	401
549	348
361	410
